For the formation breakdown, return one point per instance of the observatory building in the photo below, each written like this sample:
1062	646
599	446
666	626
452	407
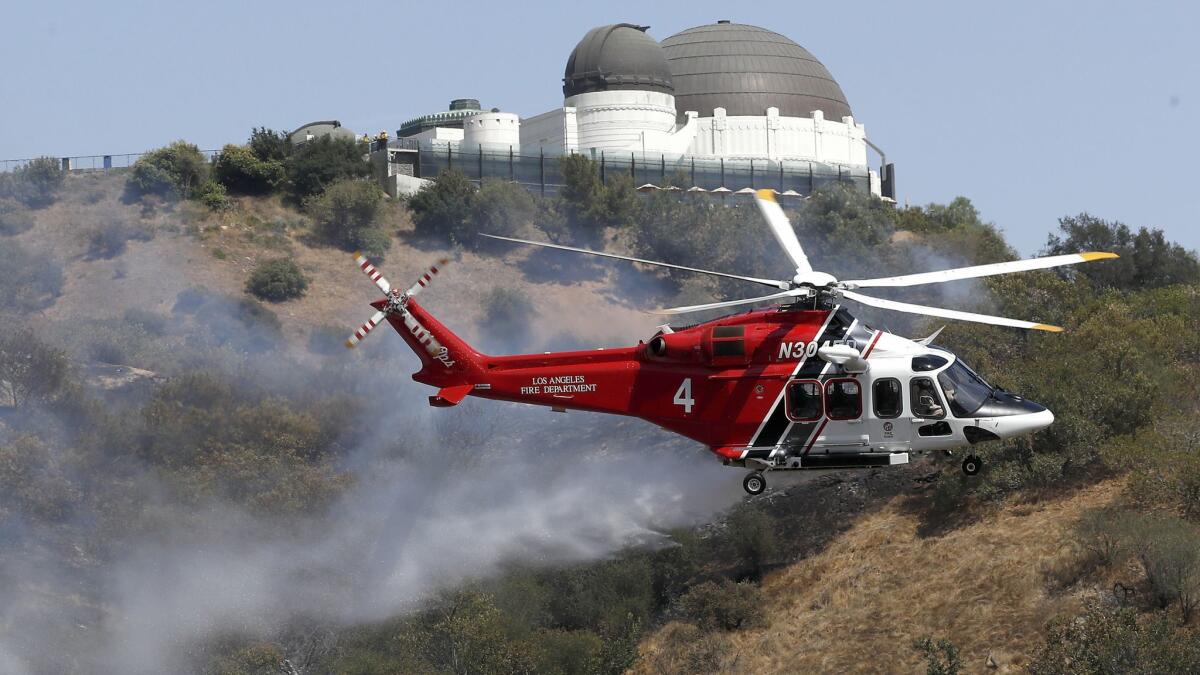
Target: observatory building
729	107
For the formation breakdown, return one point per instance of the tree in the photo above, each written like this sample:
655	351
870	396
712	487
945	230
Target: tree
36	184
277	280
241	171
30	370
175	171
347	213
588	204
269	145
444	208
500	207
27	282
1147	259
321	162
723	605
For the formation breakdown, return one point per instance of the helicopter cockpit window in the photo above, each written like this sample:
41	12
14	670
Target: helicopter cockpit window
888	398
925	401
965	391
843	399
804	401
927	362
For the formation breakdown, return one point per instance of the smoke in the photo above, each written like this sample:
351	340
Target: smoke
439	496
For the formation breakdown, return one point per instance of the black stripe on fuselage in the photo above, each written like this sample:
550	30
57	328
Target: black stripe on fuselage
810	368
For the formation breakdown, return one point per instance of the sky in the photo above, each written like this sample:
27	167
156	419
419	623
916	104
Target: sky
1033	110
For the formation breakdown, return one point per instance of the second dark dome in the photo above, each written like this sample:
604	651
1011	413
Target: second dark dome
617	56
746	69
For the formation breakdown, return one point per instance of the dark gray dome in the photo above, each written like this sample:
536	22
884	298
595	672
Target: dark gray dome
746	69
617	56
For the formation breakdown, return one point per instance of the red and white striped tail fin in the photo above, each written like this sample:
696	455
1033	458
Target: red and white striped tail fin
426	278
362	331
370	271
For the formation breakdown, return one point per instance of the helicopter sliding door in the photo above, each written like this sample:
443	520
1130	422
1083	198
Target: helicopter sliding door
888	430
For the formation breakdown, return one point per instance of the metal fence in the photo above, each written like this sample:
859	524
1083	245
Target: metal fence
542	173
91	162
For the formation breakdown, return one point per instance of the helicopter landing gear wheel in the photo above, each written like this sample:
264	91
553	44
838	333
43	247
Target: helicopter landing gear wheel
754	483
971	465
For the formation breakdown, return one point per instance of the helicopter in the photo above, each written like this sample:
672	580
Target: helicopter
802	385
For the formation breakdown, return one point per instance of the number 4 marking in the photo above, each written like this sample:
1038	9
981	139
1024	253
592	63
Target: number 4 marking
683	396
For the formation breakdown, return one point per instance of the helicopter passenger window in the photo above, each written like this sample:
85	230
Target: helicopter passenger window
843	399
925	401
888	397
804	401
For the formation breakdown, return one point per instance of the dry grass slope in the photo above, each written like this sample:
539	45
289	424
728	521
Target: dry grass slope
859	604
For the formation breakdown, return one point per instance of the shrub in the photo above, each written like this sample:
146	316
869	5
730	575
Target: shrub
108	239
1169	549
14	218
443	208
346	212
30	370
507	316
277	280
241	171
36	184
27	282
374	243
1114	640
213	195
175	171
723	605
500	207
33	481
313	167
752	534
269	145
941	657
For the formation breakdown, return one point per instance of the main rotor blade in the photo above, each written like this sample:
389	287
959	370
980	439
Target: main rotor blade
782	229
732	303
947	313
979	270
764	282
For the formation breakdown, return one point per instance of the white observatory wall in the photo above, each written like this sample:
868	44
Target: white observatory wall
626	120
492	129
774	137
554	132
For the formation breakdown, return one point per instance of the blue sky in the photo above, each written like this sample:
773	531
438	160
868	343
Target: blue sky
1034	110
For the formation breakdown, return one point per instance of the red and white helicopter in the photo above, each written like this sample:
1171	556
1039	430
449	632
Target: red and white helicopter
803	385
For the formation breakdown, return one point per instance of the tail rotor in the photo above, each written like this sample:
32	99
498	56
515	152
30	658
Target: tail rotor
397	305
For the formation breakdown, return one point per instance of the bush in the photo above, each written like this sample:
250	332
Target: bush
507	317
315	166
30	370
346	214
269	145
108	239
941	657
28	282
1109	536
752	534
500	207
241	171
443	208
1113	640
33	481
212	194
14	218
36	184
175	171
277	280
1169	549
723	605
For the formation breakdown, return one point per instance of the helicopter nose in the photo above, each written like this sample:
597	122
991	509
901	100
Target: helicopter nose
1017	425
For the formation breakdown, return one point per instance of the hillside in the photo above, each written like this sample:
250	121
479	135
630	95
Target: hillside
194	480
860	603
